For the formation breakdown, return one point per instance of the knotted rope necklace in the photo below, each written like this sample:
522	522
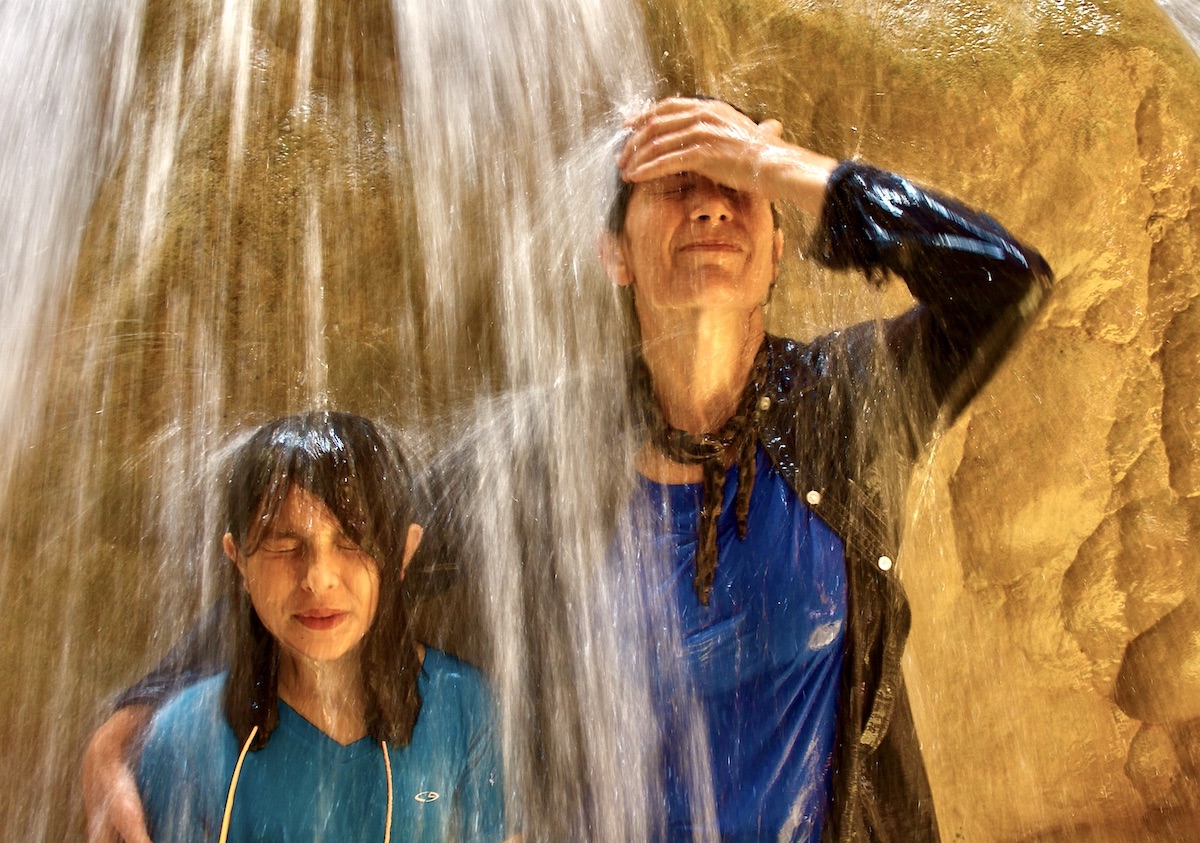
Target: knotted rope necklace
736	441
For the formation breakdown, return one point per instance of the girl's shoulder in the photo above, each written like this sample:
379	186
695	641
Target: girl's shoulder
186	761
444	673
455	690
198	705
439	663
190	730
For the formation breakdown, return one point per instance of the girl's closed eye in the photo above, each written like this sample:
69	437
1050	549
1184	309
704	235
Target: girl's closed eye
344	542
280	544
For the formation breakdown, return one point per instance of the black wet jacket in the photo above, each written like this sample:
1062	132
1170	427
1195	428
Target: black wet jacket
851	411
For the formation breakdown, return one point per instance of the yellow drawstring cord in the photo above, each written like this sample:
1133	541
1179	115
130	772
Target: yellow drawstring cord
387	766
237	772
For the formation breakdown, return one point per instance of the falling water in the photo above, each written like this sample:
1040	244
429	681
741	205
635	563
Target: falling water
291	206
532	143
57	139
215	212
1187	17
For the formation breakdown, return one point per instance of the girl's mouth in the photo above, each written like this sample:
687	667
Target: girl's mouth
320	619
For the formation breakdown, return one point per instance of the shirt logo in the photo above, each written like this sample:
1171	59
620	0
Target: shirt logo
428	796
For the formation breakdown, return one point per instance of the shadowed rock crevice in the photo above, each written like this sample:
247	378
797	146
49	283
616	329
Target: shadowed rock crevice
1181	406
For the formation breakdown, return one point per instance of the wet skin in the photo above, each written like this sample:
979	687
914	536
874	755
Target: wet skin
691	243
315	590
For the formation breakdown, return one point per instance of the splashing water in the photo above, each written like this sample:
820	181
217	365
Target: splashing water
1186	16
214	212
285	206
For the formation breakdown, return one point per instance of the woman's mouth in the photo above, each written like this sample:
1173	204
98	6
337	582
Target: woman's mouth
711	246
320	620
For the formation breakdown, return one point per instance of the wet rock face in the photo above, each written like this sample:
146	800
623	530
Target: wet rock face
1181	373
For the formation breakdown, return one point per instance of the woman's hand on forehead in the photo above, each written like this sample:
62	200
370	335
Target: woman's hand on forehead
705	137
713	139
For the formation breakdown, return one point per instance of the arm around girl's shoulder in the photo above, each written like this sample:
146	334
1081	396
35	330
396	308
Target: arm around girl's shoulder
185	763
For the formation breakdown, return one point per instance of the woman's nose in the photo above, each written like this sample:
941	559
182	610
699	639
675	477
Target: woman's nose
710	202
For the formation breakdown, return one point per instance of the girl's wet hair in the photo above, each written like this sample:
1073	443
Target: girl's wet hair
366	482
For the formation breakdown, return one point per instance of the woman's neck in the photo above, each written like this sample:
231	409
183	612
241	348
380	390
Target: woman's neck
329	695
699	363
699	368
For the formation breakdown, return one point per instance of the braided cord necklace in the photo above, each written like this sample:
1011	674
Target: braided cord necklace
736	441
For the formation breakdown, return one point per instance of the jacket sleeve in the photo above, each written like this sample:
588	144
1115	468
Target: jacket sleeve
975	284
200	653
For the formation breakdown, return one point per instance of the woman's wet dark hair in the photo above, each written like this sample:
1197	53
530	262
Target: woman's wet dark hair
618	208
368	485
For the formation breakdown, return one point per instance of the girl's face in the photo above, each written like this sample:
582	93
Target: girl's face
315	590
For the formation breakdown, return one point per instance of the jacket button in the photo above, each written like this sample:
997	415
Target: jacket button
813	497
885	563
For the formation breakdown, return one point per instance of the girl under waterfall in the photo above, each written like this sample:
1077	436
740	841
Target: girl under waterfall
332	721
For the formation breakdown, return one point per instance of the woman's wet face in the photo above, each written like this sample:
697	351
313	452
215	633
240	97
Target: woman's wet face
689	242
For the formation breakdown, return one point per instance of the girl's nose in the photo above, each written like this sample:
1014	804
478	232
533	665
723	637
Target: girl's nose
321	572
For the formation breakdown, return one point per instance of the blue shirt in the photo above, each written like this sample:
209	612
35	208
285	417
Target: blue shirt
763	659
304	786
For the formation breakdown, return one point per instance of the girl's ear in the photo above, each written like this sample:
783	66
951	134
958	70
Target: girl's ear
415	533
232	553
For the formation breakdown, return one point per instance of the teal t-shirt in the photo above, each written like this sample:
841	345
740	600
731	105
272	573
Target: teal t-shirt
304	786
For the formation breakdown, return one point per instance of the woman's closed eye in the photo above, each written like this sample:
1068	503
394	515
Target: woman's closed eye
676	185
